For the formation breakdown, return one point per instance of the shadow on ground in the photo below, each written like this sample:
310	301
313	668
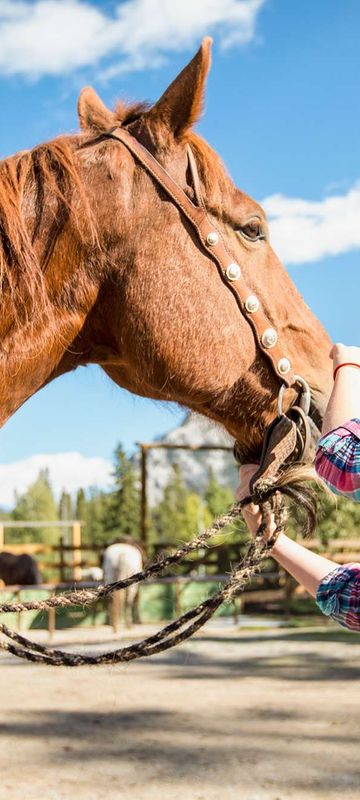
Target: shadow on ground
184	744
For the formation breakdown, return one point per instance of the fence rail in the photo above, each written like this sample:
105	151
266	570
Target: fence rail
256	594
272	586
66	561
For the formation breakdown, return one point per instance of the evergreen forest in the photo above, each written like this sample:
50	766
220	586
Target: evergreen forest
178	517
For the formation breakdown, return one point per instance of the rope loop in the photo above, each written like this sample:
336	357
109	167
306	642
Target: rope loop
177	631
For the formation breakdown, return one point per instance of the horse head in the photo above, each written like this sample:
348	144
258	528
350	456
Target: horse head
99	265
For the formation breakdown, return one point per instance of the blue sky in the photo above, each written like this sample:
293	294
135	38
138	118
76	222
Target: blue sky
282	109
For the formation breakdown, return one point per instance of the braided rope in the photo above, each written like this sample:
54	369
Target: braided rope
172	634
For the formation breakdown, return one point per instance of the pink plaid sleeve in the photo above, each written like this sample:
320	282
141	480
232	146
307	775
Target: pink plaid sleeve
338	596
337	459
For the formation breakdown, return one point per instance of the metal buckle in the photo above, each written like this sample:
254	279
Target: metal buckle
304	400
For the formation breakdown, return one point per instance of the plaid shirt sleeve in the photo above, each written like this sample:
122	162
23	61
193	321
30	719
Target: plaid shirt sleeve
338	459
338	596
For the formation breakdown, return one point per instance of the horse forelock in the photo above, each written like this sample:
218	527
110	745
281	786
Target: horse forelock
215	180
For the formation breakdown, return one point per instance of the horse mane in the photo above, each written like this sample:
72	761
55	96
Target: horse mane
34	184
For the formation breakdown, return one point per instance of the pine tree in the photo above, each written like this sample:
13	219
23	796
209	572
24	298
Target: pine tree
338	517
169	523
81	514
122	510
65	506
80	505
97	504
218	498
196	516
37	503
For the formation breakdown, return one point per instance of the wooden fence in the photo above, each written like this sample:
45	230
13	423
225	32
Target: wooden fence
67	561
272	588
43	548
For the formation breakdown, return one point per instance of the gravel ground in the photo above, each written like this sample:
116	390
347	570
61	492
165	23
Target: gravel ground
233	714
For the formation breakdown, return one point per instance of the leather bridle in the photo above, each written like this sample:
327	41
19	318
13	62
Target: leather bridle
211	241
290	431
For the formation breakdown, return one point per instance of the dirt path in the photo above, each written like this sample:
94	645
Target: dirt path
229	716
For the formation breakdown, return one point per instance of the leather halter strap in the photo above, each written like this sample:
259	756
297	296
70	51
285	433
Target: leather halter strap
211	241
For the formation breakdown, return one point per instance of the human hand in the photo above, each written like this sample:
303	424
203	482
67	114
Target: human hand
343	354
344	400
251	512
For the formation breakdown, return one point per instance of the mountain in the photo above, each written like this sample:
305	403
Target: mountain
194	431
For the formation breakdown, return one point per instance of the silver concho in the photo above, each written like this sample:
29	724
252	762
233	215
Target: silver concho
212	238
269	338
284	366
252	304
233	272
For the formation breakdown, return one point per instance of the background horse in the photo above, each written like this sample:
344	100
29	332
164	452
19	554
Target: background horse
121	560
98	265
18	569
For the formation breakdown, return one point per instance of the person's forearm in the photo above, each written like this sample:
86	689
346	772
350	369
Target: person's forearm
306	567
344	403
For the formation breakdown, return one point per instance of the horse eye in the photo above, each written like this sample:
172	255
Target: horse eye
253	230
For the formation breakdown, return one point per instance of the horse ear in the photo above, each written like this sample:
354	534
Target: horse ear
181	104
93	115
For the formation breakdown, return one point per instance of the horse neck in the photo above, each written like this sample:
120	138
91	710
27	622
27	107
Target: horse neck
24	372
31	350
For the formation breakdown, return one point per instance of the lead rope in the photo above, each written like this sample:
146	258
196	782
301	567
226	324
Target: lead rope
177	631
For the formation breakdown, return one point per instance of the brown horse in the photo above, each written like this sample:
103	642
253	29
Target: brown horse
98	265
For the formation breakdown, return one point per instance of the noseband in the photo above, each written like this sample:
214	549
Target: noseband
287	438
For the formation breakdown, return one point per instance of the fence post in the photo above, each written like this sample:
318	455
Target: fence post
289	587
51	621
62	562
76	541
237	608
115	611
177	598
18	615
144	519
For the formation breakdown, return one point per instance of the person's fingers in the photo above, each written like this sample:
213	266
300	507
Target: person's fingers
252	519
277	500
269	523
246	472
342	353
252	509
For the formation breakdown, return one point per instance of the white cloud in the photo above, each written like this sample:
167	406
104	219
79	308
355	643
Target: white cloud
67	471
53	37
302	231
